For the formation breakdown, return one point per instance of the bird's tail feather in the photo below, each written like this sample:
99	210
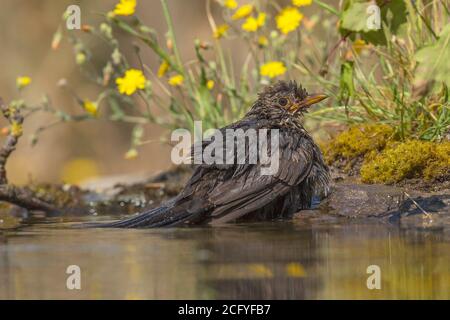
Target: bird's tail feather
165	216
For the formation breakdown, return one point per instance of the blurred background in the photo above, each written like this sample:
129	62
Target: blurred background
77	151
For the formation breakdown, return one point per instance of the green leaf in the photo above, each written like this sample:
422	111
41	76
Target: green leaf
434	61
347	87
355	16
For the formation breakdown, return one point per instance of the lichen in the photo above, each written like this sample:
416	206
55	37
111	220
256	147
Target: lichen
356	142
407	160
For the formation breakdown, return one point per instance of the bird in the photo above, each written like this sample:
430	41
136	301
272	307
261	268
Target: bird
223	193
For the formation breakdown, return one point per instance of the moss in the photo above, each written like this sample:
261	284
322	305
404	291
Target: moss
374	152
356	142
439	165
407	160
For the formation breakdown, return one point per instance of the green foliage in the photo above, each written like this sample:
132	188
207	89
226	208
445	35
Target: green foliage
434	59
355	15
347	87
401	76
397	76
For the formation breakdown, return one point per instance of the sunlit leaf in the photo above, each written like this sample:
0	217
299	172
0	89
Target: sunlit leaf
434	62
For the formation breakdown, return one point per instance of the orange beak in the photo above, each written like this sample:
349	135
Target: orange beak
308	101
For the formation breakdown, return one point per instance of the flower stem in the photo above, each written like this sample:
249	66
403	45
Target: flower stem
171	33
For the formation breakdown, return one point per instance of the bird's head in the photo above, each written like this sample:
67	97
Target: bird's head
289	97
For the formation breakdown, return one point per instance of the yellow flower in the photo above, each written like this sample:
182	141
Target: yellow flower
210	84
134	79
131	154
221	31
272	69
288	19
252	24
163	68
16	129
176	80
22	82
90	107
300	3
261	20
230	4
358	45
263	41
243	12
125	7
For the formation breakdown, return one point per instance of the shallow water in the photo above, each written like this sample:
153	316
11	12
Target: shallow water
282	260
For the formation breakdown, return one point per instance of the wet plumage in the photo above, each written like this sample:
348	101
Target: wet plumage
221	193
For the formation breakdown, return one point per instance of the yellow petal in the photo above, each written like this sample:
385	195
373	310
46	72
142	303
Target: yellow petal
22	82
132	80
125	8
90	107
250	24
301	3
263	41
272	69
210	84
176	80
221	31
230	4
288	19
243	12
163	69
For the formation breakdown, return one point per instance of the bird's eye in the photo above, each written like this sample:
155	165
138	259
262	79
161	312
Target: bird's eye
282	102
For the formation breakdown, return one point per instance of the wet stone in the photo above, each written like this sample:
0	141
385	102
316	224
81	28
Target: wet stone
351	200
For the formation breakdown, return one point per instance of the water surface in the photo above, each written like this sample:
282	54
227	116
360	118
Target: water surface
281	260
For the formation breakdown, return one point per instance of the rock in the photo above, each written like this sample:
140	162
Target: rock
362	200
352	200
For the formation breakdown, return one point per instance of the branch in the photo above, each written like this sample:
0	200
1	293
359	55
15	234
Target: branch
20	196
25	198
15	119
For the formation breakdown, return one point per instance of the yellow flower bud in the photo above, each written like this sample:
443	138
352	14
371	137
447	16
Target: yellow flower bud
210	84
176	80
22	82
131	154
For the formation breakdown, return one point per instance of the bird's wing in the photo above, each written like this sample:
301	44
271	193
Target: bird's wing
246	192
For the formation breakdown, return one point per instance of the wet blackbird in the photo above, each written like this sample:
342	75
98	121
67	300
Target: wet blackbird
219	193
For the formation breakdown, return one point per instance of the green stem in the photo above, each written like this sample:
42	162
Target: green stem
327	7
153	45
171	32
425	21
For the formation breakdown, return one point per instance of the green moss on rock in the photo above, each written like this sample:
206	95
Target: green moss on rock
407	160
356	142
